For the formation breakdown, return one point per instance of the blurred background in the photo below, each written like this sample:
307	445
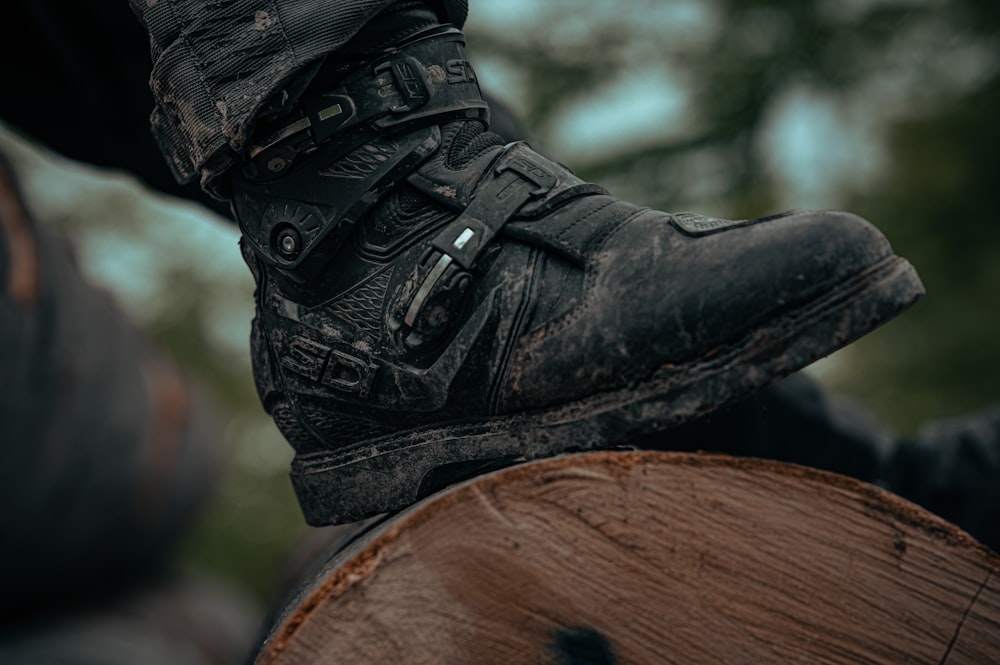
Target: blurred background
733	108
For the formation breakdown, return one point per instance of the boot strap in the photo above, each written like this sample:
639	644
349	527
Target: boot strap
426	81
517	180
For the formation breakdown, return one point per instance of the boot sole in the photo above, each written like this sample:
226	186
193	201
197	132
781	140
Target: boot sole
394	472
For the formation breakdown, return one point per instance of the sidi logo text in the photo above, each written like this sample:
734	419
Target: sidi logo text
337	369
460	71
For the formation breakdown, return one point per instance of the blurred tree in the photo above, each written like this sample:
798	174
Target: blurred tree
937	201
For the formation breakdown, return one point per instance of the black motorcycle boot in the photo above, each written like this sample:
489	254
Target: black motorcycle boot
433	302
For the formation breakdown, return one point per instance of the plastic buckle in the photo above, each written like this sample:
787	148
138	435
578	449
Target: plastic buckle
328	112
526	164
408	81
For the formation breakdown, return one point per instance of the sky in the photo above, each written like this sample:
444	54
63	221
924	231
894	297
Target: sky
812	145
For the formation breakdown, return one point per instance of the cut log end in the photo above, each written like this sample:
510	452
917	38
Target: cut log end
640	557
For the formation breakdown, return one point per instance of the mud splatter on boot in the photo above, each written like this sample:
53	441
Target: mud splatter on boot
432	301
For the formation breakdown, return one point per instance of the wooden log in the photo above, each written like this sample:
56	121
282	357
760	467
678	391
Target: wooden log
650	557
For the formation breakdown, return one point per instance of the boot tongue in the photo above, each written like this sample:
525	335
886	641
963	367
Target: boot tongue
472	139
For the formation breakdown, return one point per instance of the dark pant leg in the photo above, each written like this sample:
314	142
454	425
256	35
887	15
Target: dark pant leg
952	468
76	81
81	86
217	65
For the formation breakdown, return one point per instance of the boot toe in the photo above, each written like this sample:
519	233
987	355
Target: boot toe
660	295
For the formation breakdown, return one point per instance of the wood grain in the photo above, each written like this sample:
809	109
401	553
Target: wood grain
638	557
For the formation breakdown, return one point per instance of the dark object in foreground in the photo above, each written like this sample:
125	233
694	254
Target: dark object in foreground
650	558
107	450
176	619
